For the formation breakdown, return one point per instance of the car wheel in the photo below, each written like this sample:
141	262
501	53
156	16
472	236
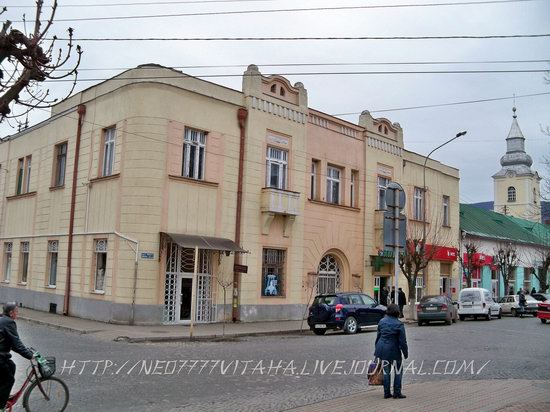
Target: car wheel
461	317
351	326
514	313
499	314
319	332
543	320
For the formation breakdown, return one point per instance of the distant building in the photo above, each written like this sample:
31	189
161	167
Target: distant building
516	185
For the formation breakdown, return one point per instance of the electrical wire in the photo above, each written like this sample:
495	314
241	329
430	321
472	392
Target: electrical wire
148	3
311	9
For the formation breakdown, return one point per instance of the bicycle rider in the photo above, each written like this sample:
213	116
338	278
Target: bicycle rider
9	340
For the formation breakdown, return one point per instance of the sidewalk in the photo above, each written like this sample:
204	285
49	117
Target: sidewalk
504	395
161	333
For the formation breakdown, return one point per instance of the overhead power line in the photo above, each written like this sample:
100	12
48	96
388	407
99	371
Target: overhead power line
305	9
481	37
494	99
148	3
310	74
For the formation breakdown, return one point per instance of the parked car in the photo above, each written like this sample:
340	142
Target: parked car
436	308
541	297
543	312
349	311
510	304
477	302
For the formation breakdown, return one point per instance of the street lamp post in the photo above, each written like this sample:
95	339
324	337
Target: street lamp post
424	191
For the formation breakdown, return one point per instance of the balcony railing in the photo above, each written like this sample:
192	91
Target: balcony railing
281	202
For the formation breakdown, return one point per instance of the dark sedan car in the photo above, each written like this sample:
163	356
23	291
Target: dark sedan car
346	310
436	308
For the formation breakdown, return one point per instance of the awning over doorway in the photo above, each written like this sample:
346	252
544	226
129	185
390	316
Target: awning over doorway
205	242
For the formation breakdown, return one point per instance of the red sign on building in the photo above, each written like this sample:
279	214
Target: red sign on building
442	253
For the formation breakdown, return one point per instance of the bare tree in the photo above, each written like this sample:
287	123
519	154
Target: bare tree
541	258
310	285
30	59
507	260
419	253
224	283
470	265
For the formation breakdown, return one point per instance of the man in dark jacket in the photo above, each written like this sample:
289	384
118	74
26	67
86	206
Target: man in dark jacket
9	340
390	342
384	296
402	299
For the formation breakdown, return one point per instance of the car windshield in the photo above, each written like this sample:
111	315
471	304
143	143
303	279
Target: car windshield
327	300
470	296
433	299
530	298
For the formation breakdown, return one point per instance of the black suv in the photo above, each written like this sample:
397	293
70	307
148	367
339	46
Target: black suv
346	310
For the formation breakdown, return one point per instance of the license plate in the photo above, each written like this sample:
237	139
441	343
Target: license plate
320	326
432	308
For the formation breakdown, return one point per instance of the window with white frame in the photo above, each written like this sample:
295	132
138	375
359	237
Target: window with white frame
24	262
313	188
418	204
382	184
353	189
53	248
419	287
446	211
276	168
333	185
8	247
27	185
194	154
109	145
60	164
23	182
20	175
100	265
273	271
511	194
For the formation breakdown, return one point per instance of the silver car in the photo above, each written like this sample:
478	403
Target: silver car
510	304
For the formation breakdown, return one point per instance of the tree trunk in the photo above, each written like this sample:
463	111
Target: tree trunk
411	283
469	281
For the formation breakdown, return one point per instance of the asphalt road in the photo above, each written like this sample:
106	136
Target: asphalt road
276	373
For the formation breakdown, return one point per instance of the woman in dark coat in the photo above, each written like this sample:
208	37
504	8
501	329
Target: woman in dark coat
390	342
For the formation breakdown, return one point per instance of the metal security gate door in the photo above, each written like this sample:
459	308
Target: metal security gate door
178	286
329	275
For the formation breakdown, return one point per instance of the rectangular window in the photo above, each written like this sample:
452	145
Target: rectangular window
60	164
446	214
8	246
109	143
53	248
24	262
273	271
20	173
100	265
418	205
333	185
419	286
27	184
194	152
276	168
314	171
353	189
382	184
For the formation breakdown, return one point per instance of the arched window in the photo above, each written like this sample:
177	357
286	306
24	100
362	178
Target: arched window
282	92
329	275
380	128
385	130
274	88
511	194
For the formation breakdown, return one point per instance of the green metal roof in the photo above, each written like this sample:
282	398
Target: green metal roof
484	223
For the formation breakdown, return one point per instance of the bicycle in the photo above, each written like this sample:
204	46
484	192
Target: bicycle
41	391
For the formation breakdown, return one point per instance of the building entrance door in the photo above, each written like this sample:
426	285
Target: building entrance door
183	304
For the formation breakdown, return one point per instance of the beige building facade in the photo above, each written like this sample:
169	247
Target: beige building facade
155	197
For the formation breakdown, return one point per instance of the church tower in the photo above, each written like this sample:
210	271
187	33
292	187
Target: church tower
516	186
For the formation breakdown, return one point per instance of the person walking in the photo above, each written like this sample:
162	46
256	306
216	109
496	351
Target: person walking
522	302
384	296
9	340
402	300
390	343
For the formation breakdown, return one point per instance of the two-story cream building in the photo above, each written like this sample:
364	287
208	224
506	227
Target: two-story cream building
155	196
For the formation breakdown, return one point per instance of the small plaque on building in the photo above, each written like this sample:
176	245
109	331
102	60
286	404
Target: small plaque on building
240	268
147	255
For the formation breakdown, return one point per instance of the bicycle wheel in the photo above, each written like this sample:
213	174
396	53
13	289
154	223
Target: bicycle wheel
56	390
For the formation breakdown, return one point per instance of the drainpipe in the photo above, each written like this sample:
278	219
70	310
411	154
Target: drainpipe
81	110
242	114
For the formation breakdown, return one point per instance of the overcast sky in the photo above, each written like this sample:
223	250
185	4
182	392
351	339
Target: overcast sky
477	154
